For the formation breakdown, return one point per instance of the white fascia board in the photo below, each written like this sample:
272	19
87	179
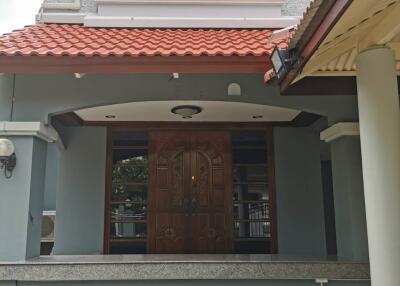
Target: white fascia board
195	2
161	22
61	18
76	5
34	129
339	130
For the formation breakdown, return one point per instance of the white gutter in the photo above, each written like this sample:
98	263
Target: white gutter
75	5
180	22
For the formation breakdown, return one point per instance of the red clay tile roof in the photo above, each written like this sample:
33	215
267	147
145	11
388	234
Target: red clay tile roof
75	40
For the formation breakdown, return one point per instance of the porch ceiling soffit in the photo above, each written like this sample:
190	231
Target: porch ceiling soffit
57	48
33	129
339	130
365	24
212	111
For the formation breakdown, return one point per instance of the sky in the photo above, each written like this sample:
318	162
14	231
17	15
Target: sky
15	14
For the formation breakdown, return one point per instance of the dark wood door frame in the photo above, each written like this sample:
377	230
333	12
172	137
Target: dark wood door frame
229	126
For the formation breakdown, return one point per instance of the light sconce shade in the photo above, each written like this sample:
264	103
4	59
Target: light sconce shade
79	75
8	159
186	111
281	62
234	89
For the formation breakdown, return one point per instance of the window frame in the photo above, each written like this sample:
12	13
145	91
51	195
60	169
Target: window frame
230	126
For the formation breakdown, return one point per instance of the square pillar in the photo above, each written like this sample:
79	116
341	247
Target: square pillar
21	196
348	191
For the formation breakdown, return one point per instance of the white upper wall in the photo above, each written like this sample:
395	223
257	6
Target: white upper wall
191	8
175	13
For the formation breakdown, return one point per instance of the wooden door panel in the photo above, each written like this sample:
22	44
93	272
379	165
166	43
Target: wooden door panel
170	192
209	232
211	224
170	233
168	177
202	180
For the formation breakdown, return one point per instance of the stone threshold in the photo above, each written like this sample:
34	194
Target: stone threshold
190	267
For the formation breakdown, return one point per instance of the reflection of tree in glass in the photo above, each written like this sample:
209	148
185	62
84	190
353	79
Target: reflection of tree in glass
125	174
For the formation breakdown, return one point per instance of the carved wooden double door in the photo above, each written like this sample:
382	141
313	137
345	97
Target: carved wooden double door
190	200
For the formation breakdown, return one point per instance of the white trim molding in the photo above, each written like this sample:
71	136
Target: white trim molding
178	22
35	129
61	18
195	2
75	5
339	130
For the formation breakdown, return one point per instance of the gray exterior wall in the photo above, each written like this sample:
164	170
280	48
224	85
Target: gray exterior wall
80	197
38	96
81	168
50	188
299	196
351	227
21	201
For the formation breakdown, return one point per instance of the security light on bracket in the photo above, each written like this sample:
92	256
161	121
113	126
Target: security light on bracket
8	159
281	62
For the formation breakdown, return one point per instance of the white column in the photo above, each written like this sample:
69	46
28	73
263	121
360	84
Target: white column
379	112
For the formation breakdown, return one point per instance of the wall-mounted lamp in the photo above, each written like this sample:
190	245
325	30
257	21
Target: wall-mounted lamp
234	89
79	75
8	160
174	75
281	62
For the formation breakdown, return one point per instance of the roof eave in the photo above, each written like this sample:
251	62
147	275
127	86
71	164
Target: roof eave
127	64
322	23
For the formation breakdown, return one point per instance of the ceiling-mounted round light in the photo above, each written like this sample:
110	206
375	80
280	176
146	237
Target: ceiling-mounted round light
186	111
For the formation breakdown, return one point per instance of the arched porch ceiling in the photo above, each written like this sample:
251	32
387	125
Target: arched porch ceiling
212	111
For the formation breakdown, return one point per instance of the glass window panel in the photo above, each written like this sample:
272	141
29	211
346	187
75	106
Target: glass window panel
127	247
249	156
130	139
250	173
251	211
130	156
129	193
130	173
135	194
128	230
252	246
250	192
128	211
256	229
248	138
